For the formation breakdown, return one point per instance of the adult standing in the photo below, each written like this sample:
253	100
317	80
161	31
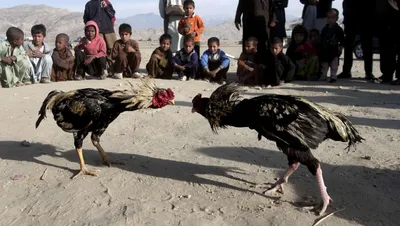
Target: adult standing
172	12
315	13
257	16
103	13
360	21
395	4
279	31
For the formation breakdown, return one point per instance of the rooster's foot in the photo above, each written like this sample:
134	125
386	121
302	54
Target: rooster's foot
85	171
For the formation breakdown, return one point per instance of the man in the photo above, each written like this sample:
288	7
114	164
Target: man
103	13
358	20
315	13
257	16
172	12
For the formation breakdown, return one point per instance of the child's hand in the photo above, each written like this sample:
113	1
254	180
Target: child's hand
88	60
130	49
193	34
272	24
251	69
38	54
7	60
29	53
186	30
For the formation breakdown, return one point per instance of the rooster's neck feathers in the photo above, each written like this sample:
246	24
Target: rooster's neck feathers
221	103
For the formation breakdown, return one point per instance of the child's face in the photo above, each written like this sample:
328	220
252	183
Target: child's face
61	44
313	36
125	36
213	47
188	46
165	44
299	38
17	42
332	18
276	49
189	9
250	47
38	39
90	32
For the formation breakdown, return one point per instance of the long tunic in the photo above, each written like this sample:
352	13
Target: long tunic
256	16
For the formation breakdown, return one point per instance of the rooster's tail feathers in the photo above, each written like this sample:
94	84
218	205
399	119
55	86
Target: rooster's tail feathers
48	103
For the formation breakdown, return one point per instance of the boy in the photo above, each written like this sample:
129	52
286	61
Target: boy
63	60
186	61
282	69
39	54
191	25
14	64
214	62
90	54
247	69
160	63
332	40
126	54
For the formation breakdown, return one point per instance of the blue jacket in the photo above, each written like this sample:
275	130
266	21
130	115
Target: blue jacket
189	60
219	56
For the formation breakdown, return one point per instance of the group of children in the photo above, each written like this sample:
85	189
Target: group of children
24	63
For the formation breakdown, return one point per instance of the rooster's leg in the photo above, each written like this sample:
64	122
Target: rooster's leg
104	157
84	170
78	140
326	199
278	185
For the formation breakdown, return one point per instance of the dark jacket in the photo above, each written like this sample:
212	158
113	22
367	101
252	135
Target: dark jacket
331	39
102	16
323	7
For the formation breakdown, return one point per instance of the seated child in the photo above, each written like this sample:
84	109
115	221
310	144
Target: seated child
247	71
39	54
63	60
186	60
160	63
314	39
191	25
126	54
90	54
303	55
332	41
14	64
214	62
283	69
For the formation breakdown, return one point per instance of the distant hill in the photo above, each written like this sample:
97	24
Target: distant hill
146	26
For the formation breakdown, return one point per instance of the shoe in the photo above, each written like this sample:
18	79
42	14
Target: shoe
190	79
45	80
395	82
26	82
344	75
118	76
183	78
332	80
137	75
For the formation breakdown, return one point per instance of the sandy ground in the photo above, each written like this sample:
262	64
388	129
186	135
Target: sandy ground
178	172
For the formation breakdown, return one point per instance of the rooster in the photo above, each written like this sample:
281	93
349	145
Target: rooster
92	110
295	124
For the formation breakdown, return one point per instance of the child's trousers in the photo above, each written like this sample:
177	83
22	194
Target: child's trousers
333	65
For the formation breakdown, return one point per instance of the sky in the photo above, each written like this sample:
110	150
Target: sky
126	8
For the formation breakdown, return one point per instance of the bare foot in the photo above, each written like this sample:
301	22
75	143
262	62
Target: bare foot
85	171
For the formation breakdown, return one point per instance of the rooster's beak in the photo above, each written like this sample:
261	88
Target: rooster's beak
194	110
172	102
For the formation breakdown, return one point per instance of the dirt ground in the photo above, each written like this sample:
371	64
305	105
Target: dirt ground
178	172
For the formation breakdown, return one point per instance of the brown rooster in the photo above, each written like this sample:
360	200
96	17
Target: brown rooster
92	110
295	124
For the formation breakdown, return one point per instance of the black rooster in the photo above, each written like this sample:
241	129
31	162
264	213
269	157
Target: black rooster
92	110
295	124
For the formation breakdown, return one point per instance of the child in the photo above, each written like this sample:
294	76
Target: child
332	40
39	54
186	61
63	60
14	64
160	63
247	69
191	25
214	62
90	54
282	69
126	54
303	55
